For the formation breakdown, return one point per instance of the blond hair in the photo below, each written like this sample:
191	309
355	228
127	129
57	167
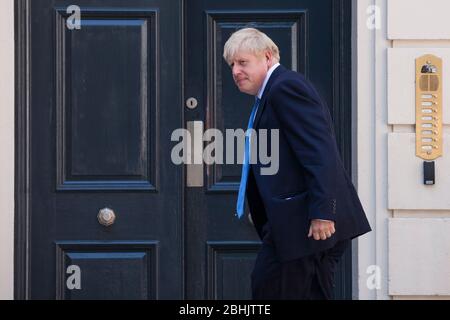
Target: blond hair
250	40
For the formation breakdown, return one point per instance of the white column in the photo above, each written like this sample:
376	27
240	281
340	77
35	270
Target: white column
370	147
7	149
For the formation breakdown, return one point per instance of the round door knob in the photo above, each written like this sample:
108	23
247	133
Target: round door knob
106	217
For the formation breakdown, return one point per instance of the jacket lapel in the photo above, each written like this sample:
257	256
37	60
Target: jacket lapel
279	70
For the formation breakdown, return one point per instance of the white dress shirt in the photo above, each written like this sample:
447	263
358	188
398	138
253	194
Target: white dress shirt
269	73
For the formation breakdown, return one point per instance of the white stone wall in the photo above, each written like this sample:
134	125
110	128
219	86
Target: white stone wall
411	239
6	149
418	19
410	243
419	257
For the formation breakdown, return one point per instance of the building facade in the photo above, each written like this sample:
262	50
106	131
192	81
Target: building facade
87	117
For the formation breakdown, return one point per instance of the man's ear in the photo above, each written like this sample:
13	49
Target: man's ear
268	56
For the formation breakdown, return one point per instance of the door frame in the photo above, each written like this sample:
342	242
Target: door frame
341	113
22	228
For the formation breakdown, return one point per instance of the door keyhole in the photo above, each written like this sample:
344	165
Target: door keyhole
191	103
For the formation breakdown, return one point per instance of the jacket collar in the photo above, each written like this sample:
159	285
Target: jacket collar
275	74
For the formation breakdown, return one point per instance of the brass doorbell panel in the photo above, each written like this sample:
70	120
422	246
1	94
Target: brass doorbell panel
428	107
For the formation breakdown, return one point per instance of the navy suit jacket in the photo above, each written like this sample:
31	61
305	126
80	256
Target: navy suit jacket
311	182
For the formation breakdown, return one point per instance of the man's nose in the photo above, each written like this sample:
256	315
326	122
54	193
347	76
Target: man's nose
236	71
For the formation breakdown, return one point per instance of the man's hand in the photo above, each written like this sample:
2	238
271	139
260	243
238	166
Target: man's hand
321	229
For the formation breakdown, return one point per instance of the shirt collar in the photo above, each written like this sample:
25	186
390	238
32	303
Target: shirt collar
269	73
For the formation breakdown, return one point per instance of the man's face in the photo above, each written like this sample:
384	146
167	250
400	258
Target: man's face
250	70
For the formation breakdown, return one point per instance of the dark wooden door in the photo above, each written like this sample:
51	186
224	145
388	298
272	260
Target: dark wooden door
104	101
312	36
96	109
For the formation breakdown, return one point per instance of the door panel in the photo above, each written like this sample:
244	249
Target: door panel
104	100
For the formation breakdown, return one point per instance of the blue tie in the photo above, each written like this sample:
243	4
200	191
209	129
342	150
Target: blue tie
246	164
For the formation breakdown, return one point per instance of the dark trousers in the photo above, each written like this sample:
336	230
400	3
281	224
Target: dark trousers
307	278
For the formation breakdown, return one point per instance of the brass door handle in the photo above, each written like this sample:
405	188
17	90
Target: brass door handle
106	217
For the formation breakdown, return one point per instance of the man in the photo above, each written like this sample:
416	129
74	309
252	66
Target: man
307	213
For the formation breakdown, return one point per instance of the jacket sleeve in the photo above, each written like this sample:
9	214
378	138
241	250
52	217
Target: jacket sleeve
310	136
